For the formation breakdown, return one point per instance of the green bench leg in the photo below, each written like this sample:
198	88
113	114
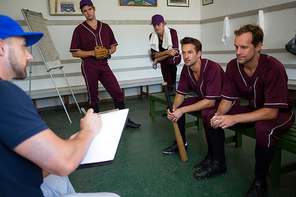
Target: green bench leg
152	109
200	124
239	140
275	168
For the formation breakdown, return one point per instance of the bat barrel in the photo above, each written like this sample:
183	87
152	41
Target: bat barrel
179	139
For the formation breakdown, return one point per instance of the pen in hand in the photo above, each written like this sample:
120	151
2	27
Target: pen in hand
83	110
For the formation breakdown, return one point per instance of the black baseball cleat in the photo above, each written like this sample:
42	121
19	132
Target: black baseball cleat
131	124
257	190
204	163
172	149
212	169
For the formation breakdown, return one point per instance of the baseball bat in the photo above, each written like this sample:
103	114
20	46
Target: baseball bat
179	139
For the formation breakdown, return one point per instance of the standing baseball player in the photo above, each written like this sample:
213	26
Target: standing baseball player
94	42
165	49
202	76
261	79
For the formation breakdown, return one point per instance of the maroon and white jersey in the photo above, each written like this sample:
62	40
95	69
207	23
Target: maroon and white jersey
175	42
86	38
209	84
267	87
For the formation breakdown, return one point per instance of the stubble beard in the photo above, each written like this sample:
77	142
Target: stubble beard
190	65
20	73
245	60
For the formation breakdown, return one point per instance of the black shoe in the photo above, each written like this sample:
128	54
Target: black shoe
131	124
172	149
204	163
256	190
172	90
212	169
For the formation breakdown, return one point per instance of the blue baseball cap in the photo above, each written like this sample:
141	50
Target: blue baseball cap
9	28
157	19
85	2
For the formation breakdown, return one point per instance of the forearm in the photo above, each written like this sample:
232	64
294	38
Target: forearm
224	107
162	55
65	155
112	50
260	114
179	99
83	54
53	154
200	105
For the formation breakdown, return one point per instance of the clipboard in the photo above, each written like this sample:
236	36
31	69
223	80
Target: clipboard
103	148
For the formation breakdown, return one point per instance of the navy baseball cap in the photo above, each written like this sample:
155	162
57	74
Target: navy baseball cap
85	2
9	28
157	19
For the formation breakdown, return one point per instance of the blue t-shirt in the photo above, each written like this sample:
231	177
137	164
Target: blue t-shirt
18	121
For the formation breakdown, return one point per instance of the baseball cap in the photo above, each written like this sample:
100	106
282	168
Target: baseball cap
85	2
157	19
9	28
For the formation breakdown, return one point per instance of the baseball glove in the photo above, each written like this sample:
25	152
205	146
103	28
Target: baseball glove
101	52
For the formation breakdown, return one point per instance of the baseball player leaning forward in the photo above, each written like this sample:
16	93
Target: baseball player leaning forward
94	42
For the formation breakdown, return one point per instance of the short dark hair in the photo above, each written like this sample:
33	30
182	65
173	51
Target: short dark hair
195	42
84	5
257	33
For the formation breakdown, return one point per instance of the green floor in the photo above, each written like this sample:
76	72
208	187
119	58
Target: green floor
140	169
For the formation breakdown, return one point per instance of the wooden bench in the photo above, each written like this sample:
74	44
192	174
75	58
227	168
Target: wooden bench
287	140
81	89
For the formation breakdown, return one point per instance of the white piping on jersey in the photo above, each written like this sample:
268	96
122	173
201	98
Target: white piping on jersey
200	87
255	93
275	103
278	127
241	73
213	96
93	33
206	65
100	34
190	75
235	98
183	92
86	81
74	50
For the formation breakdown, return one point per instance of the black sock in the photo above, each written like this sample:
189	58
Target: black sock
95	107
119	105
210	148
217	138
173	73
263	157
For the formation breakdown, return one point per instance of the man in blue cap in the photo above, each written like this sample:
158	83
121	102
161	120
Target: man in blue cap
29	149
165	49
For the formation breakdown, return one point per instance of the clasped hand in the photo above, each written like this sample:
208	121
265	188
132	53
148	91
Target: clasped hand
175	115
223	121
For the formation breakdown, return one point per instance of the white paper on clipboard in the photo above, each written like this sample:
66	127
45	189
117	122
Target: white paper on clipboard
104	146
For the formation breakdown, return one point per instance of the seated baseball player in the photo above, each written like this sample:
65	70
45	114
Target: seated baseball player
262	80
202	76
